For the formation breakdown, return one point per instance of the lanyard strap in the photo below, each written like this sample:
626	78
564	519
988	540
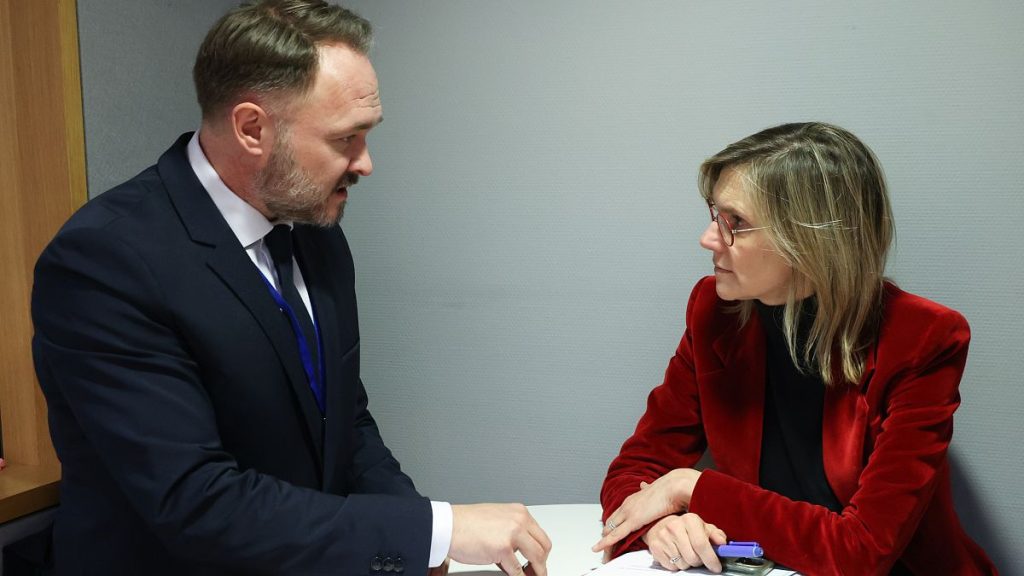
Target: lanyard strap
313	376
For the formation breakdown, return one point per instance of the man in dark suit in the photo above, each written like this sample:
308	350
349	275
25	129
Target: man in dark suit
197	343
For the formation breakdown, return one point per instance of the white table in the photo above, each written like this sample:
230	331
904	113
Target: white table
573	529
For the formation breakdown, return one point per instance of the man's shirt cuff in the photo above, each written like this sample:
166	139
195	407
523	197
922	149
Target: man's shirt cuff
441	541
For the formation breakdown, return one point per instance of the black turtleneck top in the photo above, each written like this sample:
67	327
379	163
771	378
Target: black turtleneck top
791	453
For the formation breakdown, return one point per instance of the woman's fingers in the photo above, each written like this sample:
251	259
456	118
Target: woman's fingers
612	533
663	548
700	544
685	541
679	531
717	535
669	558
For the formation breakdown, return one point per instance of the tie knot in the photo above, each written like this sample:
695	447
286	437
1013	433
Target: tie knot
279	244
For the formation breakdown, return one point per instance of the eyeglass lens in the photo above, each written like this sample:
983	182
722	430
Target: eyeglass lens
723	226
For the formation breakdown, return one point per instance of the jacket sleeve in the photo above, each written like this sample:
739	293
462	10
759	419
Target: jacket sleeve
375	469
894	488
108	355
669	435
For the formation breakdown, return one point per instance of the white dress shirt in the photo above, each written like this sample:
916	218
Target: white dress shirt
250	226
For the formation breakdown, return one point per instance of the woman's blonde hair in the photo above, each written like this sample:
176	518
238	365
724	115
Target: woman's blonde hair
822	196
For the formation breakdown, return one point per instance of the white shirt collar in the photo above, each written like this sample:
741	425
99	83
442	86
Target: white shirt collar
245	221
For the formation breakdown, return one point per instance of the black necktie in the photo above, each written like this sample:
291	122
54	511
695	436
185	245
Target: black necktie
279	243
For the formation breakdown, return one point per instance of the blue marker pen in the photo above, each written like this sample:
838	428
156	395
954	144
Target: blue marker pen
739	550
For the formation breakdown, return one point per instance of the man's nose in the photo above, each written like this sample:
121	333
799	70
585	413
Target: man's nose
362	164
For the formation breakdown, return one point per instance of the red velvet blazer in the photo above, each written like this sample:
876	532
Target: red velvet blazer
884	442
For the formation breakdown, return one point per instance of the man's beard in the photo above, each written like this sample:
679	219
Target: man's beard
290	194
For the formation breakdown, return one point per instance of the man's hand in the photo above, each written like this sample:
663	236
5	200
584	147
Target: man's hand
667	495
492	533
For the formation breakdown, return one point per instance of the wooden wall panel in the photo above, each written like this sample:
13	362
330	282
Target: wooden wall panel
42	181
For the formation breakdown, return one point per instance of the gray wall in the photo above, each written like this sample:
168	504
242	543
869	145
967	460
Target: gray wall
137	80
527	243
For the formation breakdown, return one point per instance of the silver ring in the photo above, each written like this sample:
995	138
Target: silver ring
676	559
611	525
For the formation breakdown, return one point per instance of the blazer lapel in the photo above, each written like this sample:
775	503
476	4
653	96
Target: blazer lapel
232	265
844	426
739	393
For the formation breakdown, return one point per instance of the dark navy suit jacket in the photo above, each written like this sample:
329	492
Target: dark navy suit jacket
178	405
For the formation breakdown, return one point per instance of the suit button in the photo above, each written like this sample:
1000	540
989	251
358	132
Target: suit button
399	565
376	563
389	564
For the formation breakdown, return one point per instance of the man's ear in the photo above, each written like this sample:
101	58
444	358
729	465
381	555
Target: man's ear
253	129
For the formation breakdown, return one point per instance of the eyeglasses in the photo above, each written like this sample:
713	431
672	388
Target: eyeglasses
725	229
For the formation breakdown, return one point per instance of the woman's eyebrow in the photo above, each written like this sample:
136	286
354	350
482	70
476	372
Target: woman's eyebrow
728	209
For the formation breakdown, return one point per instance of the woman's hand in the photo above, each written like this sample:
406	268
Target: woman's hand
668	495
685	541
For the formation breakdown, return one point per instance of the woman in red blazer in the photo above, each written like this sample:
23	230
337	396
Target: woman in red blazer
824	393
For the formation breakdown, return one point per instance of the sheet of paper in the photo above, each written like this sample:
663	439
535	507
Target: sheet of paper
642	564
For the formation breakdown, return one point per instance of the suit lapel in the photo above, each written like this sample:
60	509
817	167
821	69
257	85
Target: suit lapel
314	272
232	265
244	280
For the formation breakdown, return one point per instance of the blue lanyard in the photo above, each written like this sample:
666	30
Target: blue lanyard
312	375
